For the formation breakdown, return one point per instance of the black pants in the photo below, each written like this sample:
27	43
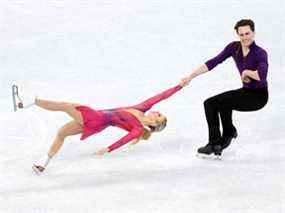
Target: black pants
222	105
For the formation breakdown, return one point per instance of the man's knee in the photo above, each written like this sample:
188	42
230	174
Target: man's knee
210	102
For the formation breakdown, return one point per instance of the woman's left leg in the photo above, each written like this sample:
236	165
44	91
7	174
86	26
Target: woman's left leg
71	128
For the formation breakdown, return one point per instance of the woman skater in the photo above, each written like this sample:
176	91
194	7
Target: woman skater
87	121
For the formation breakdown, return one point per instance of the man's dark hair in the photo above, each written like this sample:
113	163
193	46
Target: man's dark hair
245	22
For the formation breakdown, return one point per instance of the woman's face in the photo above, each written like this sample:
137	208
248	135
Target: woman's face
246	35
156	117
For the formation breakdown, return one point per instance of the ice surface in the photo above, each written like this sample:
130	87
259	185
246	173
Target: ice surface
114	53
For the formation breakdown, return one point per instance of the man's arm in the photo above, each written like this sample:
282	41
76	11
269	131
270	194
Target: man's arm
210	64
198	71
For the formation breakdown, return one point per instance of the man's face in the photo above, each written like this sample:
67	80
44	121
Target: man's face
246	35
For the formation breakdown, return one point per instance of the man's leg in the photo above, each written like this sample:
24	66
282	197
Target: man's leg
229	130
212	117
213	108
241	100
227	122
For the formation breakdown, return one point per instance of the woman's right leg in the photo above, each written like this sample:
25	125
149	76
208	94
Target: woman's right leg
69	108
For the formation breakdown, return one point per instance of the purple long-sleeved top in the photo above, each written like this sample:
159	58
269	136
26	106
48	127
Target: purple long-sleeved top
256	59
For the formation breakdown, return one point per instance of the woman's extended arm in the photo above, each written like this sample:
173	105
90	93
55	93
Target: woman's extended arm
134	134
147	104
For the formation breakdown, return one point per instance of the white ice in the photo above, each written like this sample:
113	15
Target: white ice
106	54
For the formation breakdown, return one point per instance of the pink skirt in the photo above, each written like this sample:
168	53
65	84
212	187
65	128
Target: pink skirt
94	121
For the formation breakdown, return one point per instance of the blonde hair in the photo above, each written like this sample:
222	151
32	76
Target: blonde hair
146	134
149	129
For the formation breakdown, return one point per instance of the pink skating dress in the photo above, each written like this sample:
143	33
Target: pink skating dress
95	121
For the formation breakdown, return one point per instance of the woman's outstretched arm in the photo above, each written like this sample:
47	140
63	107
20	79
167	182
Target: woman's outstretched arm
147	104
134	134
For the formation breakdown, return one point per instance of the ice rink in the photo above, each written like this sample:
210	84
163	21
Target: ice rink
107	54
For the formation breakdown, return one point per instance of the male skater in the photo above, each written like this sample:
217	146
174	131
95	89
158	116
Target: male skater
251	61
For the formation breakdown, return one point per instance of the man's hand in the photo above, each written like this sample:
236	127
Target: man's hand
102	151
244	76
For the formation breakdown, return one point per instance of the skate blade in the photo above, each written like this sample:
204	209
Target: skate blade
17	101
14	94
36	170
209	157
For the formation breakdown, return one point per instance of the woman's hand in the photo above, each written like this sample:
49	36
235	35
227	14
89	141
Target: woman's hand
102	151
244	77
134	142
